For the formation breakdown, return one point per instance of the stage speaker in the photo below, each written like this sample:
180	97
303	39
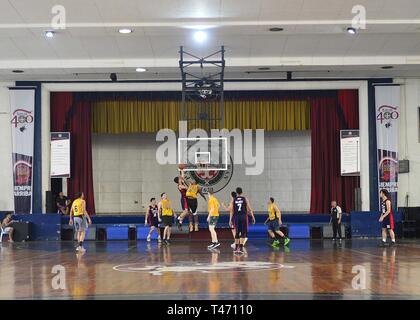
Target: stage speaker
413	214
132	233
21	231
50	205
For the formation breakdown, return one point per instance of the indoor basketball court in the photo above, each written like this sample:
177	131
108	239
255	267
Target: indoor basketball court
227	150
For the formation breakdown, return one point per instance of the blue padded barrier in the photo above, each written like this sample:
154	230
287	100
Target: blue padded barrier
223	219
43	226
256	231
117	233
143	231
299	231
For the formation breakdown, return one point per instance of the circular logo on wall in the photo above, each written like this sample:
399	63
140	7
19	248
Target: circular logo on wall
207	179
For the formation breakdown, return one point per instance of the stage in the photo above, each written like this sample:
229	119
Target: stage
309	269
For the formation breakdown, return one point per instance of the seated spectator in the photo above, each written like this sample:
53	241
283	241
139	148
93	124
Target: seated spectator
6	226
63	204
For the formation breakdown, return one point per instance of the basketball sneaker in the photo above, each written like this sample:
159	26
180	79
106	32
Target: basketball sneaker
245	240
196	228
233	245
215	245
191	227
211	245
383	244
179	224
275	243
286	241
148	238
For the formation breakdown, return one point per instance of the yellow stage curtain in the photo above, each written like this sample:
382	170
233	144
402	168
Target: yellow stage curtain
131	116
270	115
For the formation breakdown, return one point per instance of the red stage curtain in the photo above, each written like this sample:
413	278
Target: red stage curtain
75	117
328	116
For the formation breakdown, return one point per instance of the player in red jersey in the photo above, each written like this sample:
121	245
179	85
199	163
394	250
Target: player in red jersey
386	218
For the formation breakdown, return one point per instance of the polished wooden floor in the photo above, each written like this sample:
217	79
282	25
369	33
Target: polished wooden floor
187	270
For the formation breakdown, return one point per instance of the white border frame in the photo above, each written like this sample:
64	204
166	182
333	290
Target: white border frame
360	85
198	139
200	153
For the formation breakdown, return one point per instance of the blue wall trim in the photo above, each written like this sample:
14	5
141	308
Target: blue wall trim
37	165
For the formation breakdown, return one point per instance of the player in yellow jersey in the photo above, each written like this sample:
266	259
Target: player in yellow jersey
166	214
213	208
274	223
81	219
192	192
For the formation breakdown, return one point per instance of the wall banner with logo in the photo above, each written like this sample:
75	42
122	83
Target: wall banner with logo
387	114
22	107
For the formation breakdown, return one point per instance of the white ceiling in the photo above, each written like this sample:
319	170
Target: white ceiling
314	42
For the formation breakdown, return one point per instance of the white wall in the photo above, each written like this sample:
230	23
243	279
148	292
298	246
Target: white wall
409	145
125	171
6	172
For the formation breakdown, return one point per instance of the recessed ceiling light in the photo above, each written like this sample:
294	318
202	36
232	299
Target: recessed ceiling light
387	67
263	68
49	34
276	29
125	30
141	69
18	71
351	30
200	36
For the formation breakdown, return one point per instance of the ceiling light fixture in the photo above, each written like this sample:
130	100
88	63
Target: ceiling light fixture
351	30
49	34
200	36
17	71
275	29
264	68
125	31
141	69
387	67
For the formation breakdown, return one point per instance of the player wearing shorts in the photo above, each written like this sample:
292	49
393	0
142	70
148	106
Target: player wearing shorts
241	208
152	219
274	223
193	190
165	211
386	218
213	208
182	188
81	219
